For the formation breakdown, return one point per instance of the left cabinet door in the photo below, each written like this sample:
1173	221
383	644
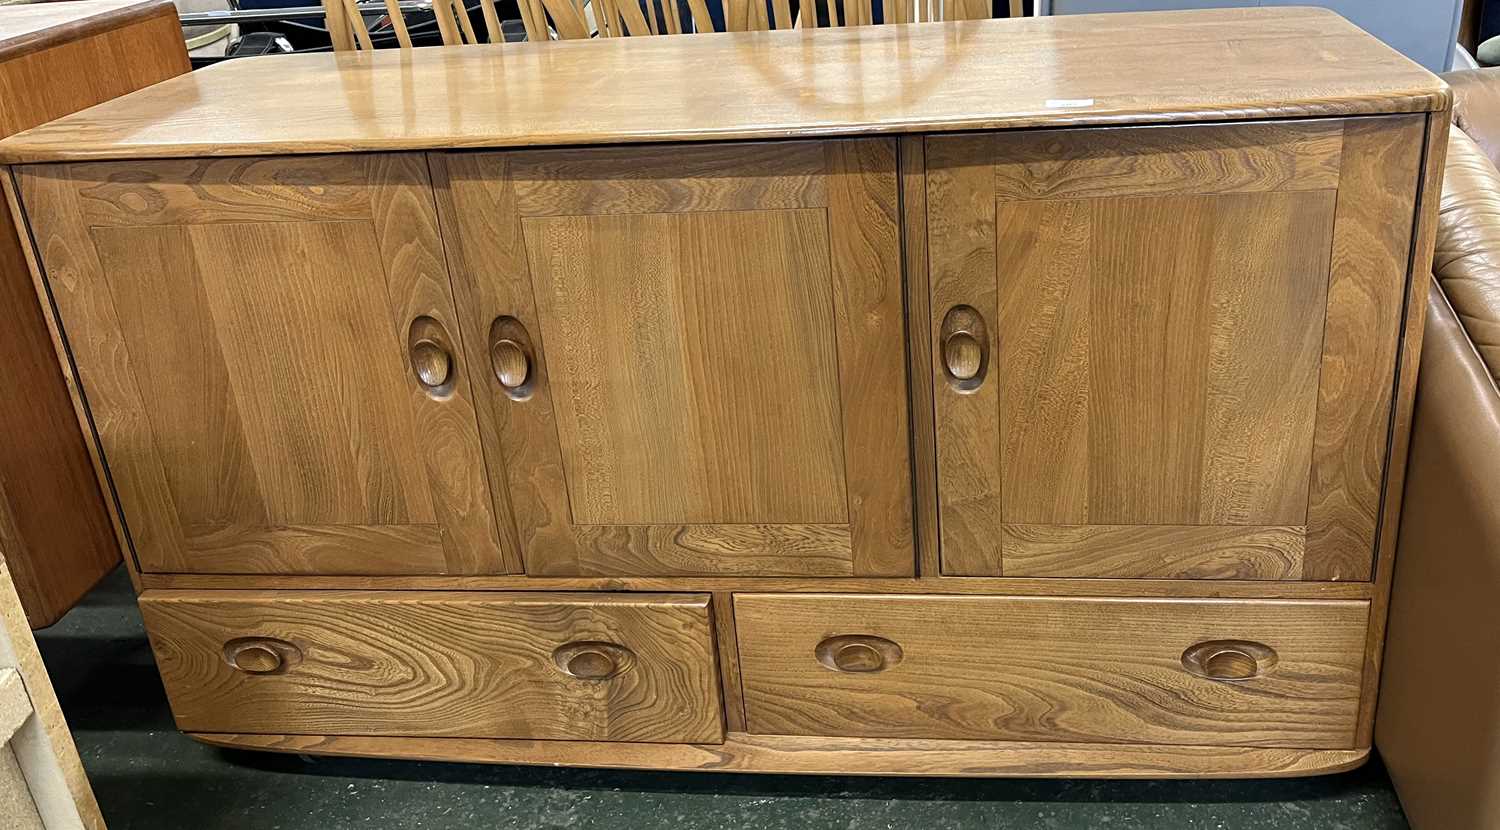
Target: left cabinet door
269	352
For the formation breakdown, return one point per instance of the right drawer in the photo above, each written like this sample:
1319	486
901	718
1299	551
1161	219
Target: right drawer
1169	671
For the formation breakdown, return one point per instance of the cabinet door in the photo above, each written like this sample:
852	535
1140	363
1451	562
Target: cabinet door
1167	352
269	353
696	354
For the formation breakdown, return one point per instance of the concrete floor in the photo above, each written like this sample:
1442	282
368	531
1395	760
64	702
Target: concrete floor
146	775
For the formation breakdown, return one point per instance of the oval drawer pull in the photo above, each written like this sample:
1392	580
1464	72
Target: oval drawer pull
965	348
261	655
593	660
858	653
512	367
1229	659
431	356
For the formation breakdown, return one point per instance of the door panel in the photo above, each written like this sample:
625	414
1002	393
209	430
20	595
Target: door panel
720	283
1135	349
250	320
1158	357
711	338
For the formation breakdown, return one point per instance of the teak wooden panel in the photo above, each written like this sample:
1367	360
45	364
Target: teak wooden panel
55	59
1153	551
452	664
1051	669
1369	280
1037	72
839	756
1159	313
714	373
247	337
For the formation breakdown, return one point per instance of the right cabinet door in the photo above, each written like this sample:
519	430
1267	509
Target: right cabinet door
1168	352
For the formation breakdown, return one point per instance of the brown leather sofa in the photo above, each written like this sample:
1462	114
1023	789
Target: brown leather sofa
1438	723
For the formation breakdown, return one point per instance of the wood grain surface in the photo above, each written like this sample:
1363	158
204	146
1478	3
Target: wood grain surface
960	75
1089	670
1156	339
1153	551
839	756
249	383
718	379
1244	158
1367	287
455	664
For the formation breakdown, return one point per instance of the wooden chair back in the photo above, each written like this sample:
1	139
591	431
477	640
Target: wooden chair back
626	18
570	19
348	30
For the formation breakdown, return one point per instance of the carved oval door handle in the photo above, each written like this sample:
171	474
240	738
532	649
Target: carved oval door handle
1229	660
858	653
962	355
429	349
512	366
432	363
511	358
965	348
593	660
261	655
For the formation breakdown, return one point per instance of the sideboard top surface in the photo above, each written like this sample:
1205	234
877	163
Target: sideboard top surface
961	75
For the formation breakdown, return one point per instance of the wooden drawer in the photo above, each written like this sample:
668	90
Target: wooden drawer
1052	669
601	667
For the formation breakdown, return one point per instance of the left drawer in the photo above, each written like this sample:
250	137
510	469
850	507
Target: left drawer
599	667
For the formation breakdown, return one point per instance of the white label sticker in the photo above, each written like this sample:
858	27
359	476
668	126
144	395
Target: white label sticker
1056	103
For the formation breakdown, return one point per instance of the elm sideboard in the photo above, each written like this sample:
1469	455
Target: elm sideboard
926	399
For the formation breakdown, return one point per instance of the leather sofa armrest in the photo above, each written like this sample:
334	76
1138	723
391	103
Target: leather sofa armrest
1466	259
1438	722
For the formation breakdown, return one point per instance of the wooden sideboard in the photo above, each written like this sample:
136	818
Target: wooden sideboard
55	59
977	398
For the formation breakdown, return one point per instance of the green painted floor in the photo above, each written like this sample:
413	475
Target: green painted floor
146	775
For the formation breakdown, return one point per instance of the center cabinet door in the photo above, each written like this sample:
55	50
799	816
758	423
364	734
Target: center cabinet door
1167	352
695	354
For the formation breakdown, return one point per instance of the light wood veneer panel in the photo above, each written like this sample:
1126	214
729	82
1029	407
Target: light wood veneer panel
1153	551
452	664
241	333
717	384
669	179
1157	359
694	366
1243	158
1367	295
1040	669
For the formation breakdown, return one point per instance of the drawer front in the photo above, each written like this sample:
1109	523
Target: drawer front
522	665
1051	669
